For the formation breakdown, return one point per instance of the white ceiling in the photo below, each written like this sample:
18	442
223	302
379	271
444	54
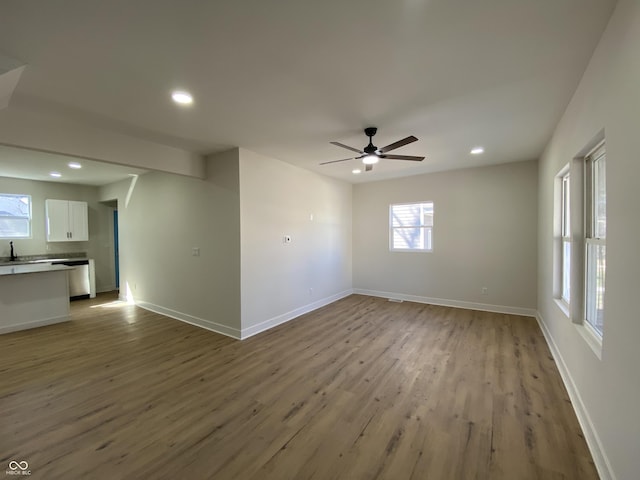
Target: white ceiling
35	165
285	77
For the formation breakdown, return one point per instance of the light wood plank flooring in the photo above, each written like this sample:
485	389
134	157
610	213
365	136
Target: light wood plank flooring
360	389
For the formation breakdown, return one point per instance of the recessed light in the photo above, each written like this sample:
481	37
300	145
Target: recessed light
55	174
182	97
75	165
477	150
356	171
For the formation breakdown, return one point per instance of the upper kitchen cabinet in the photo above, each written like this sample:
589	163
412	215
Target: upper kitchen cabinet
67	221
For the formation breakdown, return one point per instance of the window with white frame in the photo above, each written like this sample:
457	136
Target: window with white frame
411	227
565	219
595	238
15	216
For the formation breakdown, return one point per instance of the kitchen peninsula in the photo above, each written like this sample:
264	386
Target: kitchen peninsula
33	295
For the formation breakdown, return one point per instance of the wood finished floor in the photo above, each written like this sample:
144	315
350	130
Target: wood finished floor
360	389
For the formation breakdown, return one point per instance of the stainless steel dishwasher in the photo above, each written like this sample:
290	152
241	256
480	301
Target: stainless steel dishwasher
79	278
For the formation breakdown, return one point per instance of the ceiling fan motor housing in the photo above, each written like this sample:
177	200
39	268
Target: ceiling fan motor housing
371	148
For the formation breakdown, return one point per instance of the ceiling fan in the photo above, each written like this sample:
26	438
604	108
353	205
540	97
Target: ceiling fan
371	154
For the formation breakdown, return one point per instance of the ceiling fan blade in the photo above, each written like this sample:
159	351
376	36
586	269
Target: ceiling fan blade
368	167
336	161
402	157
338	144
398	144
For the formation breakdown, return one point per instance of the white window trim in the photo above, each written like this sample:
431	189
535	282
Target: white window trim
29	218
563	306
569	170
579	213
391	229
565	233
591	336
589	331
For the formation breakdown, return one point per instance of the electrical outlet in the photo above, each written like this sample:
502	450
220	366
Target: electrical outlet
311	291
485	291
195	251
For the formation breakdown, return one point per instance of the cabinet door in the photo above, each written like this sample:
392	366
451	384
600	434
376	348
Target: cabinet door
78	222
57	220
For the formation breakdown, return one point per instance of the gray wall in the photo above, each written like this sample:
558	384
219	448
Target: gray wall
606	391
165	218
282	281
245	279
100	244
484	235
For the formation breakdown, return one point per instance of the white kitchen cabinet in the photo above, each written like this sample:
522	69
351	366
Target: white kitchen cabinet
67	221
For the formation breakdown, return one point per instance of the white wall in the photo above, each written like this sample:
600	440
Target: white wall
100	244
606	392
165	218
278	199
484	235
41	130
245	279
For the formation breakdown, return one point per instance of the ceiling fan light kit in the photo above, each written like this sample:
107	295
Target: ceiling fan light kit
182	97
371	154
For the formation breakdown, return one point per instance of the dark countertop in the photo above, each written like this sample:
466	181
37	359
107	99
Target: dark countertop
30	268
44	258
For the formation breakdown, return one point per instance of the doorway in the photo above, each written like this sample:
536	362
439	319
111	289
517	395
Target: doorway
116	249
112	224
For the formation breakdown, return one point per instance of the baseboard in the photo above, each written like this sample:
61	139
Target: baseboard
593	440
527	312
106	288
286	317
234	332
190	319
33	324
591	436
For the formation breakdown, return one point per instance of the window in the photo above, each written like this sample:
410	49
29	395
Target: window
411	226
579	250
565	215
595	237
15	216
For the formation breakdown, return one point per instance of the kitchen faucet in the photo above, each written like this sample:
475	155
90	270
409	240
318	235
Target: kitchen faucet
13	255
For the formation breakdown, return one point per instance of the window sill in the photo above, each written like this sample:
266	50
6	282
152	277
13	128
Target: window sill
593	340
563	307
414	250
